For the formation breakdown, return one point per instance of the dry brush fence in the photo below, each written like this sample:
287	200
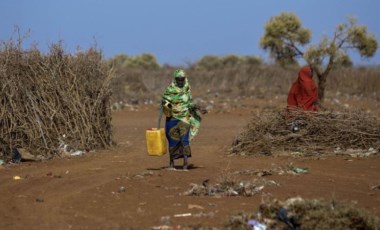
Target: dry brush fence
47	96
320	133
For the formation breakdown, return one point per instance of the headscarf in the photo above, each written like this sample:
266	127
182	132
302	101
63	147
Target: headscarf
304	92
181	103
179	73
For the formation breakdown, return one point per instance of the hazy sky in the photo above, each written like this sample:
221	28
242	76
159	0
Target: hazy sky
175	31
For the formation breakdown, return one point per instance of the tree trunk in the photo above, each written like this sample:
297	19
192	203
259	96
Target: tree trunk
321	86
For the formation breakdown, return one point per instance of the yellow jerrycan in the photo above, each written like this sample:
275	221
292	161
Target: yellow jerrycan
156	142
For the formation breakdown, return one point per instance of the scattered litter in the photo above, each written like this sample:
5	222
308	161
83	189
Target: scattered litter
281	170
291	222
148	173
143	175
122	189
375	187
191	206
202	214
299	170
182	215
77	153
246	172
16	156
166	220
67	150
257	225
264	173
16	178
259	188
178	170
229	188
162	227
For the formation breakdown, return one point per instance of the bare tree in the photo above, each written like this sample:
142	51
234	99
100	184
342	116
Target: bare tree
284	36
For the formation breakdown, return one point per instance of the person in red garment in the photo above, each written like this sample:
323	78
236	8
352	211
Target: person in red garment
303	96
304	93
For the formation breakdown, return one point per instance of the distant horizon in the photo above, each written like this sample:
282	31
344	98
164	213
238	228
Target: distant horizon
27	43
72	52
176	32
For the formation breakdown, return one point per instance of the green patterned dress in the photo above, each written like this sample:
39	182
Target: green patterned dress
182	119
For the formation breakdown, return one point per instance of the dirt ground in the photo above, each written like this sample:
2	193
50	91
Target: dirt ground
124	188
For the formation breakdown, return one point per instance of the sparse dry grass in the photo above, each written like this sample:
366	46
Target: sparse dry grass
257	80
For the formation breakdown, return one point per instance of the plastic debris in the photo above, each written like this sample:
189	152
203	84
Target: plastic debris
122	189
65	149
300	170
291	222
162	227
182	215
77	153
257	225
16	178
166	220
16	156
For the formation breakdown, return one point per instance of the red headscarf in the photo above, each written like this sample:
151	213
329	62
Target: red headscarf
304	93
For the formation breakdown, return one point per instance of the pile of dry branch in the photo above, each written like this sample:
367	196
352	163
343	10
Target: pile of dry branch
309	133
298	213
51	99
